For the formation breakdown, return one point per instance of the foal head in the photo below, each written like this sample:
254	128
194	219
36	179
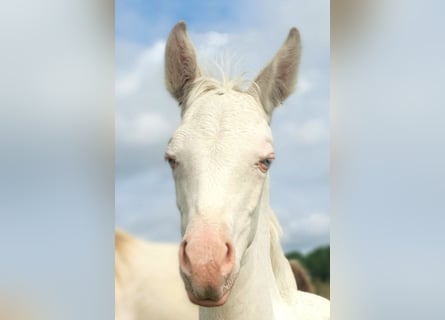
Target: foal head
220	156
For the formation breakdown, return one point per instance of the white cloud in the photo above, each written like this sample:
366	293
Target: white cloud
214	40
144	129
303	86
313	131
315	224
128	82
307	231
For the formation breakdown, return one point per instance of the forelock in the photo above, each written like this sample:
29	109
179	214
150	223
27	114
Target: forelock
205	85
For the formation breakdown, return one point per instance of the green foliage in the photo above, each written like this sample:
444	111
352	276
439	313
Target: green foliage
317	262
295	255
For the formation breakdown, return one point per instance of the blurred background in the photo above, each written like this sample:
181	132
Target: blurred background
387	159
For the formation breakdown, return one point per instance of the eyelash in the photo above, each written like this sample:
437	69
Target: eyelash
171	161
265	164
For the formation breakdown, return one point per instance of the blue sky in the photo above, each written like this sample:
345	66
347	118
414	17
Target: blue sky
251	32
140	21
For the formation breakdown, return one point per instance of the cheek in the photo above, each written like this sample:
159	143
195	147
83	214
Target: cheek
246	215
182	203
182	189
250	194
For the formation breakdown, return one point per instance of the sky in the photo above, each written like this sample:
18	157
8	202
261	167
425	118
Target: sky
248	33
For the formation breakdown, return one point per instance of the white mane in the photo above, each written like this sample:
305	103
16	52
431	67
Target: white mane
205	84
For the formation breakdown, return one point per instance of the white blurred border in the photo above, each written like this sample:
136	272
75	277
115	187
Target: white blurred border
57	157
387	159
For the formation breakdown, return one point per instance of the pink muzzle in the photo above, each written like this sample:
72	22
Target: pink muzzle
206	259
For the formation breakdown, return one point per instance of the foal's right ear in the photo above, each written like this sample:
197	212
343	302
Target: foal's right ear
181	66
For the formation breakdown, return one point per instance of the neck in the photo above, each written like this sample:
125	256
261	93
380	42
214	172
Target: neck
265	281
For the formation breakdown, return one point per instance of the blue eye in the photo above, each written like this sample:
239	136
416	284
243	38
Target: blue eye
267	162
264	164
171	161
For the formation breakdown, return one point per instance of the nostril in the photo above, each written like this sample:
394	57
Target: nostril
183	259
229	249
229	259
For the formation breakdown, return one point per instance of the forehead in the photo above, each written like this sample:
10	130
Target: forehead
225	117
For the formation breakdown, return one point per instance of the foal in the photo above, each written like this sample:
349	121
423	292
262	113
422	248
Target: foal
230	258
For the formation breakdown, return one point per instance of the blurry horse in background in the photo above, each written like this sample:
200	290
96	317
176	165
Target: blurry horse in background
301	276
147	281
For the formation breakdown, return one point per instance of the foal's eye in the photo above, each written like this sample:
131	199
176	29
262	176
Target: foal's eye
171	161
264	164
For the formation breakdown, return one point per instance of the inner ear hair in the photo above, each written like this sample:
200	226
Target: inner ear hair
181	66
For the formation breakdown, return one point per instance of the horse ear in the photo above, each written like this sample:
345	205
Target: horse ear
278	79
181	66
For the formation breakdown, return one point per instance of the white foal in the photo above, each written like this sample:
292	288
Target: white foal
230	258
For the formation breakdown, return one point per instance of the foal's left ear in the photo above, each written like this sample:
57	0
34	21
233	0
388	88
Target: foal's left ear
181	65
278	79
